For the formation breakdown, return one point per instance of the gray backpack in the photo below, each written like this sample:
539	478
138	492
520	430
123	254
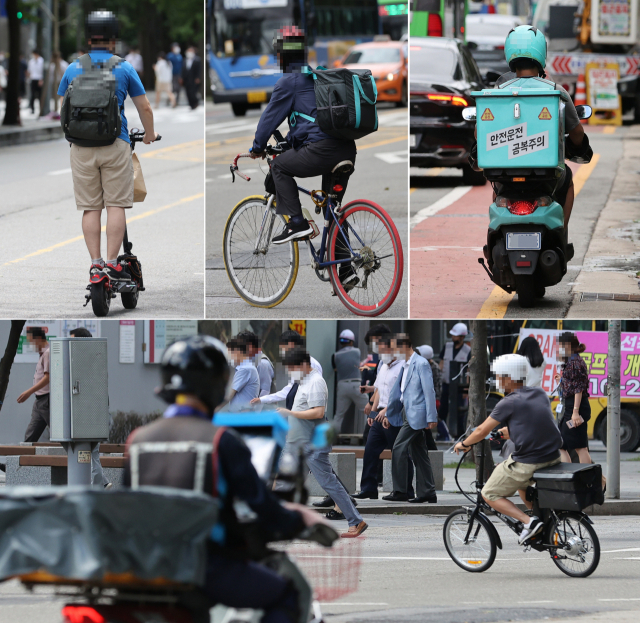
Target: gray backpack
90	115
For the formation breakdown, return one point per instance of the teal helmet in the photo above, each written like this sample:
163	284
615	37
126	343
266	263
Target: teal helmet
526	42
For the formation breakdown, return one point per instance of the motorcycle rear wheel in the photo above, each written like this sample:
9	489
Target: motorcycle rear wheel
526	289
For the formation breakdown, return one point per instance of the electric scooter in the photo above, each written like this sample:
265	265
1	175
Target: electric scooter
101	288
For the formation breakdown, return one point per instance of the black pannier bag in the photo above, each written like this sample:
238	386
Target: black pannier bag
569	486
346	102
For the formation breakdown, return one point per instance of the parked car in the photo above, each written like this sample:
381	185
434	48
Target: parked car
387	61
443	74
486	34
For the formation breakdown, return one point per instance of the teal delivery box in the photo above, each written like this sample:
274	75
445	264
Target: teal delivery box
520	125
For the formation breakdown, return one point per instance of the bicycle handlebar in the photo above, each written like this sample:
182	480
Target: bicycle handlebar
138	137
270	150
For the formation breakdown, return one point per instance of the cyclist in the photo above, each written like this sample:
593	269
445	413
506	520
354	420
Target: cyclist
525	50
313	152
195	377
526	417
103	175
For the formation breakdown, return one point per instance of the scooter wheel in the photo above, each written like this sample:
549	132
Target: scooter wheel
130	299
526	289
100	298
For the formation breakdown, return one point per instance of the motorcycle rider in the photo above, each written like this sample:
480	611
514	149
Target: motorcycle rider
195	375
527	420
525	50
313	151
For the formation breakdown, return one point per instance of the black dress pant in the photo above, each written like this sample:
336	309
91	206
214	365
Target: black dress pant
36	90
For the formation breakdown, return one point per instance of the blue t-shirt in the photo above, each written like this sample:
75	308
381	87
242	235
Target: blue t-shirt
127	82
246	382
176	62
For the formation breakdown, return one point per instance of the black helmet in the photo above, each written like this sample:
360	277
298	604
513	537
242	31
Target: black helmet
197	365
101	25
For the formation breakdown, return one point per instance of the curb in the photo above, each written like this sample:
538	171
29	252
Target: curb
21	135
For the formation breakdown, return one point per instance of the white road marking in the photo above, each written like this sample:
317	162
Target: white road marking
617	551
441	204
394	119
444	247
59	172
368	603
622	599
394	157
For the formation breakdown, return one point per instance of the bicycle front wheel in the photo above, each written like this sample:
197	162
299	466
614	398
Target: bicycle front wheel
479	552
578	547
262	273
369	284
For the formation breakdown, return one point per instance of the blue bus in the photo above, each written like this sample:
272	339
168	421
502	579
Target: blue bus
242	67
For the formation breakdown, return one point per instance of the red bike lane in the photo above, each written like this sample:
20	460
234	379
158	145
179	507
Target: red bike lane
446	279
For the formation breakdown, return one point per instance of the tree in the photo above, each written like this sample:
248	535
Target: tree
9	355
12	111
477	394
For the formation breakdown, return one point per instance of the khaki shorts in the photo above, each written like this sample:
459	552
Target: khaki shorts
511	476
102	176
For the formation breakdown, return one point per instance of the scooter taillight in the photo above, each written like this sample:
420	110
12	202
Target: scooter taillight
81	614
521	207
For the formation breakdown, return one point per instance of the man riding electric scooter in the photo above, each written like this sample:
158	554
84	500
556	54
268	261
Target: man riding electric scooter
195	379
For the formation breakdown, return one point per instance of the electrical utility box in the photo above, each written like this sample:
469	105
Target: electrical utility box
79	394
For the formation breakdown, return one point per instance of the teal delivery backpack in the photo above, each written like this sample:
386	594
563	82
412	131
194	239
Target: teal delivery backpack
520	125
346	102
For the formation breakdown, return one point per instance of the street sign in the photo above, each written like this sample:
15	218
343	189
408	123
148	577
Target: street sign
602	93
576	64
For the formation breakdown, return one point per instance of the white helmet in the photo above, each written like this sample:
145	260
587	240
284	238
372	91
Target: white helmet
426	351
347	334
459	329
511	365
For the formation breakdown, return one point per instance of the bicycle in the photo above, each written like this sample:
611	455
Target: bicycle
472	540
358	239
101	288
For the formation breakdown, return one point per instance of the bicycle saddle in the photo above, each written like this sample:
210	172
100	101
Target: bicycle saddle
343	168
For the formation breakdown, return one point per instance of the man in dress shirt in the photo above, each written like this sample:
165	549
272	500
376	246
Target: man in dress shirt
35	71
246	383
260	360
419	400
382	435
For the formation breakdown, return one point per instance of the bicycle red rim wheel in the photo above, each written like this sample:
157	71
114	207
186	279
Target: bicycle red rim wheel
383	299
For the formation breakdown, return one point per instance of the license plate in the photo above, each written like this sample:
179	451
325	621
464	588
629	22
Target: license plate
256	97
528	241
413	140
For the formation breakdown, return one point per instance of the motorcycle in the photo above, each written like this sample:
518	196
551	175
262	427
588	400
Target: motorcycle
527	247
151	571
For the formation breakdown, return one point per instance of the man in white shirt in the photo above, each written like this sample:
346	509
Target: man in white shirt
382	435
35	71
308	410
134	58
246	383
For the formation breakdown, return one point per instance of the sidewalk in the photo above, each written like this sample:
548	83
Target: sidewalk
451	499
32	130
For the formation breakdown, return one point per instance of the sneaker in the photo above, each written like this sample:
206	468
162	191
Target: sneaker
529	531
348	284
108	485
292	231
117	273
95	269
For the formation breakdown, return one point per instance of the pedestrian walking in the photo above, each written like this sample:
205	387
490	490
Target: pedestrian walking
369	367
346	363
455	350
35	73
419	400
385	421
98	478
102	171
164	76
426	351
192	76
308	411
57	67
176	60
37	341
245	386
574	409
134	58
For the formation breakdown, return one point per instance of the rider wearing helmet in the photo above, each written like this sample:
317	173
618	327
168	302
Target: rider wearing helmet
195	377
103	175
525	50
314	152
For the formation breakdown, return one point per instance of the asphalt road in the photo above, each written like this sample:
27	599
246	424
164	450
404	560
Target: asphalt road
406	575
448	230
44	262
381	175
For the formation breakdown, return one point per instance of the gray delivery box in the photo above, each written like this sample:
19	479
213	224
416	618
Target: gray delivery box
79	389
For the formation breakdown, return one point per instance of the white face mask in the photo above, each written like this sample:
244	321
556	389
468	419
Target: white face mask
562	351
499	386
283	352
296	375
386	357
191	54
176	50
374	347
400	356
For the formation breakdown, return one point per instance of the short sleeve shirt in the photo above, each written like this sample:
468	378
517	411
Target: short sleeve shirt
312	392
128	83
247	385
42	368
575	377
527	414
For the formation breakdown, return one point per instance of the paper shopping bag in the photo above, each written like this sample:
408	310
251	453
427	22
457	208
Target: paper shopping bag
139	188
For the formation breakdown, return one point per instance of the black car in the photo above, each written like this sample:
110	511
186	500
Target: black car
441	77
